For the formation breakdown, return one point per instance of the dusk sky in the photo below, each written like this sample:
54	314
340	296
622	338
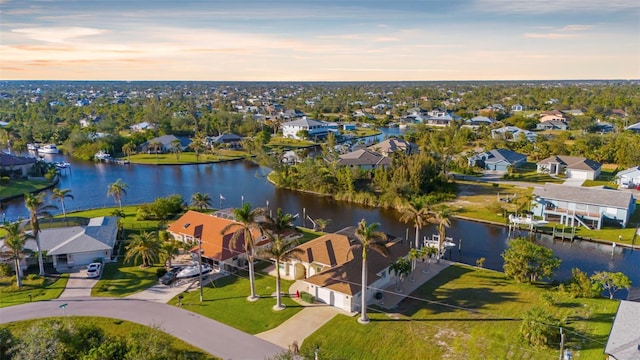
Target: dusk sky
328	40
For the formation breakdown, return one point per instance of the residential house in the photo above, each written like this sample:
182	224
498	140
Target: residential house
573	112
480	121
552	125
15	166
390	146
517	107
585	206
217	248
166	144
629	178
573	167
552	117
291	114
231	141
339	285
616	113
634	127
624	337
498	160
513	133
89	120
73	246
314	128
348	127
143	126
364	159
320	254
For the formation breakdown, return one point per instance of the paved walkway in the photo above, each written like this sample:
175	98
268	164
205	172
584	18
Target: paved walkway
301	325
78	285
211	336
392	295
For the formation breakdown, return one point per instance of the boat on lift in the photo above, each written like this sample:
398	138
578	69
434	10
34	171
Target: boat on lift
102	155
48	149
434	242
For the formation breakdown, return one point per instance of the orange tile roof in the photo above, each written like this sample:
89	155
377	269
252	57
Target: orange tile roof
330	250
214	245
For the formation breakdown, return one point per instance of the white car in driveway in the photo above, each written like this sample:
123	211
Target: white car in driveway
93	270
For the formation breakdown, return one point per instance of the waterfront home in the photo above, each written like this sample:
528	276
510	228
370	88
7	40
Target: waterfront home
68	247
15	166
582	206
629	178
364	159
217	248
513	133
497	160
231	141
573	167
333	271
624	338
165	144
313	128
390	146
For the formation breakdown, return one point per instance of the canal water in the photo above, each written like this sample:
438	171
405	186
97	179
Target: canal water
240	181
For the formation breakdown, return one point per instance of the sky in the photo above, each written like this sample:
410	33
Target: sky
319	40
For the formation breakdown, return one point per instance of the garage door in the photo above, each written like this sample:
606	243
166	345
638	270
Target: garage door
323	295
330	297
577	174
85	258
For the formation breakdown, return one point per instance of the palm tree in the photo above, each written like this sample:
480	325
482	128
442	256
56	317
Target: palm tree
427	252
415	211
401	269
156	145
200	200
15	240
442	218
176	147
37	208
322	223
60	195
144	246
170	249
245	225
117	189
281	251
280	224
128	149
368	237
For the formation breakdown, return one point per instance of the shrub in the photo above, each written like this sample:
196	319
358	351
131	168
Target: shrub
306	297
160	272
6	269
539	327
580	285
32	277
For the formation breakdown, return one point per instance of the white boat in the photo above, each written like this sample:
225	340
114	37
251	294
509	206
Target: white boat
434	242
62	165
33	147
48	149
402	126
102	155
193	271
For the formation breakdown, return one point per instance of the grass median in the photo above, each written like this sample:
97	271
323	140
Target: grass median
34	288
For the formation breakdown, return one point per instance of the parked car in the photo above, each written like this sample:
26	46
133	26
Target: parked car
170	276
93	270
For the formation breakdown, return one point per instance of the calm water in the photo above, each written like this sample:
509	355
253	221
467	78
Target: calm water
238	181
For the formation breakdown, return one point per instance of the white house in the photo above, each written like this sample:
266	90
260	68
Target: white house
629	178
574	167
513	133
314	128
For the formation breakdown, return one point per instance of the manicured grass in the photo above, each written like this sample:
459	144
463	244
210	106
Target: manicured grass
119	280
129	222
607	177
113	328
20	187
40	290
186	158
419	329
476	198
529	173
308	235
226	301
282	142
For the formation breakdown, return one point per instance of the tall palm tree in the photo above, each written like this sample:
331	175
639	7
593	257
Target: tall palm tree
144	246
128	149
281	251
368	237
200	201
15	240
442	218
156	145
416	211
37	208
279	224
176	147
198	144
60	195
401	268
117	189
246	223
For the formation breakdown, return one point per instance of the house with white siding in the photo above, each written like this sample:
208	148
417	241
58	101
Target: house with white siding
314	128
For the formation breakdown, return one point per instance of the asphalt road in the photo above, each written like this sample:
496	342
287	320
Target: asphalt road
209	335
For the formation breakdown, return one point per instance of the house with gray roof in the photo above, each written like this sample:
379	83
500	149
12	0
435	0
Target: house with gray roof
78	245
629	178
314	128
364	159
231	141
624	338
552	125
497	160
166	144
574	167
15	166
513	133
390	146
582	206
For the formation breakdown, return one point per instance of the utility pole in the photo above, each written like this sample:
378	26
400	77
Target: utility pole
561	343
197	233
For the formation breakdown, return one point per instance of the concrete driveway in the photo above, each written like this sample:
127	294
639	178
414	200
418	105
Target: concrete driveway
79	285
573	182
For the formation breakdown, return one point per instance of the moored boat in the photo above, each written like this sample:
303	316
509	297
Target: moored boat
48	149
102	155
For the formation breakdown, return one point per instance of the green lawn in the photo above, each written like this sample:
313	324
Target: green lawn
529	173
20	187
112	328
308	235
419	329
281	142
120	280
607	177
226	301
186	158
40	289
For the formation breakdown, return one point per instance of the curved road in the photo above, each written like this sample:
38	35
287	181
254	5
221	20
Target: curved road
211	336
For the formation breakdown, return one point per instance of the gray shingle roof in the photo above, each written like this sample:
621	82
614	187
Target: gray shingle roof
303	122
624	338
573	162
584	195
363	157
